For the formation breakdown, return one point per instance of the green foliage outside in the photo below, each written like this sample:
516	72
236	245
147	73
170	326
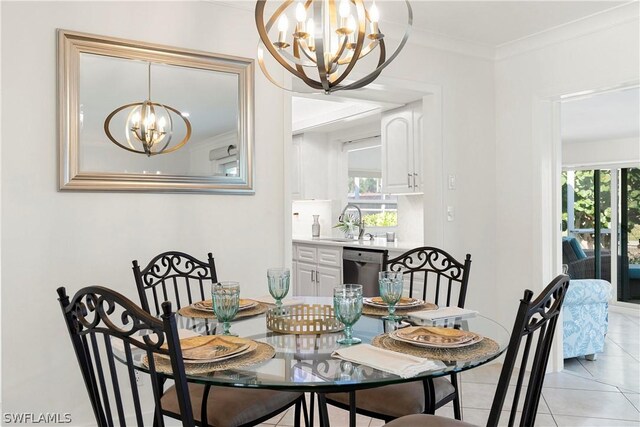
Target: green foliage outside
367	185
584	206
382	219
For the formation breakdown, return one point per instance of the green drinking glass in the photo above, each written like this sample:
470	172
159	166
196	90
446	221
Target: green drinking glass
278	279
347	306
226	300
391	286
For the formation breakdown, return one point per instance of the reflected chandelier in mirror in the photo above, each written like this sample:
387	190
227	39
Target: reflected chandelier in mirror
209	102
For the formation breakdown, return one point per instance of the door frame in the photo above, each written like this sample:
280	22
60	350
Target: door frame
432	164
546	235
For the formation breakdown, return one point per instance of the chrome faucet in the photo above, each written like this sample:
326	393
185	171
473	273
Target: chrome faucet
360	223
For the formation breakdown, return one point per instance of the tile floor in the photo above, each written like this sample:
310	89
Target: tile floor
604	393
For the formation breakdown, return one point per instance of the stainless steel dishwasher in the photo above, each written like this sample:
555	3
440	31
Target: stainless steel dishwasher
362	266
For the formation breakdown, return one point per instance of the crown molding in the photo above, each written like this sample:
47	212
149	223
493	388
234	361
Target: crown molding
590	24
439	41
600	21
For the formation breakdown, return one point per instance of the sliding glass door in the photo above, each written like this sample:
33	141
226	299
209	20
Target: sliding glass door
601	227
629	242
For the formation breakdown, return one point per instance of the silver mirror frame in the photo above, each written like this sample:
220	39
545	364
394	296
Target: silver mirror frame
72	44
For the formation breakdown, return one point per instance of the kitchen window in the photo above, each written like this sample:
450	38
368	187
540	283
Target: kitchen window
365	185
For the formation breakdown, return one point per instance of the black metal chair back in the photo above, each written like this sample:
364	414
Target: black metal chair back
441	273
107	332
174	276
535	325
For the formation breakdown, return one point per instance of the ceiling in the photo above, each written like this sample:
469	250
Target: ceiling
491	23
602	117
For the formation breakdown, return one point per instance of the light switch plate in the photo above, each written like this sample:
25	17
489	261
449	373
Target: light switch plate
452	182
450	213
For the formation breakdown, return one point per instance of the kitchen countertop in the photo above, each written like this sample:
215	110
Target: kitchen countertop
378	243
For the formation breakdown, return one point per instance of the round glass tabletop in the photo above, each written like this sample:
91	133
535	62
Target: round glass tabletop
305	362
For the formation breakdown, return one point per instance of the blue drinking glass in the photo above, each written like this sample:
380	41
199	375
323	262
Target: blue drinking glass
226	301
391	287
278	279
347	305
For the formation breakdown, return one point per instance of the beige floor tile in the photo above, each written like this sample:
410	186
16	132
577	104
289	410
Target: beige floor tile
337	418
620	371
569	421
376	423
274	421
480	396
574	366
489	374
568	380
634	398
587	403
480	416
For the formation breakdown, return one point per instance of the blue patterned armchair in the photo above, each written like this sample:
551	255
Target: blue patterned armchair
585	317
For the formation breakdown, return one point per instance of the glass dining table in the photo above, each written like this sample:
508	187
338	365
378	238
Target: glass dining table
304	363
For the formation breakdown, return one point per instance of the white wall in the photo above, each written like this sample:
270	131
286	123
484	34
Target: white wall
468	152
593	60
74	239
594	153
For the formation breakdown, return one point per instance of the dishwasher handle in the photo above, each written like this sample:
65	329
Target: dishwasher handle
373	257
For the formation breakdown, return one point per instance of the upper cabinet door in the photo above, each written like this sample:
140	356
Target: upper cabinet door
418	124
397	151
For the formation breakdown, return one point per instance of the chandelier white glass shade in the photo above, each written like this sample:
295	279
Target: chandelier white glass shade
327	41
148	128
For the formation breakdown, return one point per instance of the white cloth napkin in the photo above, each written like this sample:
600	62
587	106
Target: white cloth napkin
287	302
400	364
442	313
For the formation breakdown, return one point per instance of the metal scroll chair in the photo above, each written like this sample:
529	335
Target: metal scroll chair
174	276
437	277
535	325
181	277
105	326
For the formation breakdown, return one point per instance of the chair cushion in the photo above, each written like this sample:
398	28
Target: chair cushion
422	420
229	406
576	247
587	291
408	398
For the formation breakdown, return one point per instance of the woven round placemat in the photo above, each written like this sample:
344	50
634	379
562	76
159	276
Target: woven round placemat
486	347
369	310
189	311
261	354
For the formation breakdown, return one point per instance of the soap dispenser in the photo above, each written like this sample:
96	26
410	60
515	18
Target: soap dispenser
315	227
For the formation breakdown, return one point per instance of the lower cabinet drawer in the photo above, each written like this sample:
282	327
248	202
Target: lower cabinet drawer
330	256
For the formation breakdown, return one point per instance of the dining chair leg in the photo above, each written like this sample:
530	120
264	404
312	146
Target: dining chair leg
352	408
322	411
457	407
296	416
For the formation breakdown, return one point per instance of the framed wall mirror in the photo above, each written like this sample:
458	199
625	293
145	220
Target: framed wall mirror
136	116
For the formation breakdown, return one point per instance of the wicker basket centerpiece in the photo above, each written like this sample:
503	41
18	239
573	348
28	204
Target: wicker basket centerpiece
305	319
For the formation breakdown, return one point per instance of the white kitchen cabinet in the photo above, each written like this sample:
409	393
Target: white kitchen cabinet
401	137
305	278
310	167
318	269
328	278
